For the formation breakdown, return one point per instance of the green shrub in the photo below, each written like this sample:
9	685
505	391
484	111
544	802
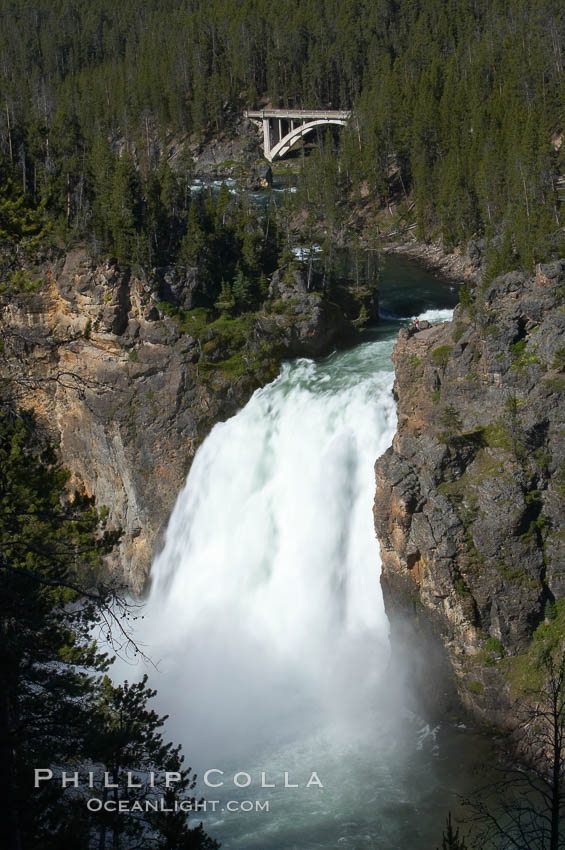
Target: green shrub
440	355
497	436
556	383
549	610
521	357
494	645
461	588
517	349
559	360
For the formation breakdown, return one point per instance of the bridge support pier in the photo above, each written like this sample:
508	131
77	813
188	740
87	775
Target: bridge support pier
267	138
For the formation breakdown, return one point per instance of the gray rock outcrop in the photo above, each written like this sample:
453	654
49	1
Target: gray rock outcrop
470	499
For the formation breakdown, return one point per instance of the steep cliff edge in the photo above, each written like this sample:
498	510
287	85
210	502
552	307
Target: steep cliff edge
129	386
470	499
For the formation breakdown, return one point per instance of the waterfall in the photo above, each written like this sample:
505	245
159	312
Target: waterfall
266	592
265	617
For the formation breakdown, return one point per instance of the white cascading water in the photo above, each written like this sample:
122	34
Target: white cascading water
265	617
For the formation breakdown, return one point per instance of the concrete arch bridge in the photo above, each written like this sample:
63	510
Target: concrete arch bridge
283	128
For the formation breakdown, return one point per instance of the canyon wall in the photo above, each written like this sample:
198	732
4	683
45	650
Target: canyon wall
470	499
128	379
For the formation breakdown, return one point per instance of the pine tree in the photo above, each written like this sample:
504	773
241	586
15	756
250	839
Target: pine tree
226	301
55	709
194	248
23	227
125	211
450	839
223	202
126	743
102	165
50	548
242	290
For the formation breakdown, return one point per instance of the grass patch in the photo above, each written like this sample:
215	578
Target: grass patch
555	383
525	671
497	436
559	360
232	367
193	322
488	465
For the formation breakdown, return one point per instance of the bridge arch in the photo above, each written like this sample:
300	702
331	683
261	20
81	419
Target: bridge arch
300	122
287	142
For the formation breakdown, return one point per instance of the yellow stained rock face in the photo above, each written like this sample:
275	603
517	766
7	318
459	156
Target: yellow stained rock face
115	383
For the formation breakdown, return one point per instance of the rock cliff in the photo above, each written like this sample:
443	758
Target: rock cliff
130	376
470	499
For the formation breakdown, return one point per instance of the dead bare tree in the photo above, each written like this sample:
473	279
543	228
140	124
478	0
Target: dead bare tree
523	807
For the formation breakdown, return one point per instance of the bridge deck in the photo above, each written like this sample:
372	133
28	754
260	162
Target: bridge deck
298	113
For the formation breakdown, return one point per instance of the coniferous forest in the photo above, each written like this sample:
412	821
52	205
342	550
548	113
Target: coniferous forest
458	106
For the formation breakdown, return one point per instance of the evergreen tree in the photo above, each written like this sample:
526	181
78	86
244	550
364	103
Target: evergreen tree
126	743
125	211
102	164
226	301
49	550
23	227
194	247
55	709
223	202
242	291
450	839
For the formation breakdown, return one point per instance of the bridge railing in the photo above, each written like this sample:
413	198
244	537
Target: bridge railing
297	113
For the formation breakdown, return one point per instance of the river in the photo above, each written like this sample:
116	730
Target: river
266	621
